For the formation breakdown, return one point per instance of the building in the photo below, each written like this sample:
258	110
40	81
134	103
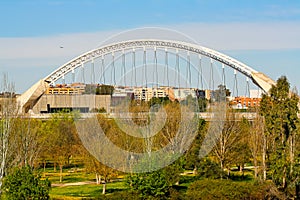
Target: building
145	94
120	94
245	102
84	103
181	93
74	88
256	93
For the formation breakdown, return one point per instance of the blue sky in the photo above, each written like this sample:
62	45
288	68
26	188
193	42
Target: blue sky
261	33
43	17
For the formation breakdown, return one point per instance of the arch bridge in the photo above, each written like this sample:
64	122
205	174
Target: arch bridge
138	51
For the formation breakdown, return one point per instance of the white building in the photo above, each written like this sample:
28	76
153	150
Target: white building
182	93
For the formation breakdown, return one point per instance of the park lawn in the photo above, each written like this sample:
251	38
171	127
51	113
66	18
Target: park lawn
87	188
81	191
70	177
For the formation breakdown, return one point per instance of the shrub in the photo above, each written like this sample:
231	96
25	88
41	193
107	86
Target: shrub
22	183
227	189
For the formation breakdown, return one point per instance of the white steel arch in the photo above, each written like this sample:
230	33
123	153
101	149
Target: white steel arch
125	45
31	95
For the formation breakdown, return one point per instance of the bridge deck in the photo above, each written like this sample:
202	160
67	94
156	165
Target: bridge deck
203	115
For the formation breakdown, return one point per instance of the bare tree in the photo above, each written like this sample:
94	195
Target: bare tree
28	139
257	145
8	113
228	138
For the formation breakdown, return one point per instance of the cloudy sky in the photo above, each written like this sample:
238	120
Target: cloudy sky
263	34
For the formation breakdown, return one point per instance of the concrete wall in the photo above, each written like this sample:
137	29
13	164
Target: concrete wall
72	101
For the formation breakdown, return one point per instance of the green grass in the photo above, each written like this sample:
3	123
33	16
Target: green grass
80	191
75	191
94	191
70	177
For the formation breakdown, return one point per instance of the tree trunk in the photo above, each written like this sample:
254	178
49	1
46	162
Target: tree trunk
44	163
241	168
228	173
264	158
284	178
60	173
222	169
97	180
292	152
195	171
255	167
104	187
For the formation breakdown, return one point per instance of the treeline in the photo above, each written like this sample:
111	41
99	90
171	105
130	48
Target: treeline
269	146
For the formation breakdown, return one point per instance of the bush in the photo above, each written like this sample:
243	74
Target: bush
227	189
23	184
209	169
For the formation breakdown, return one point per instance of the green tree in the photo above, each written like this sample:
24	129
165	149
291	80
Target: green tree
22	183
156	184
220	94
279	110
192	155
209	169
241	152
104	90
63	139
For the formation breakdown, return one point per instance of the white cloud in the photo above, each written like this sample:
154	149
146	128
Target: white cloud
245	36
47	47
226	36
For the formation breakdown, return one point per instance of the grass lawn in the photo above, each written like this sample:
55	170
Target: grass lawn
67	191
80	191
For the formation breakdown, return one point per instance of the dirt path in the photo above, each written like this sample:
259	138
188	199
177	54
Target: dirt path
71	184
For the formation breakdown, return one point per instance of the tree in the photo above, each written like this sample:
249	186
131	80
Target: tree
103	173
28	139
279	110
100	158
22	183
227	141
8	113
256	145
192	155
220	94
63	139
104	90
241	152
156	184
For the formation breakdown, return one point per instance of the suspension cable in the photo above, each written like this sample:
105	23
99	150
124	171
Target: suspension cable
223	75
211	80
167	66
155	79
189	69
73	75
134	66
123	67
113	68
177	68
63	79
200	78
145	67
247	93
93	71
102	71
235	88
82	72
